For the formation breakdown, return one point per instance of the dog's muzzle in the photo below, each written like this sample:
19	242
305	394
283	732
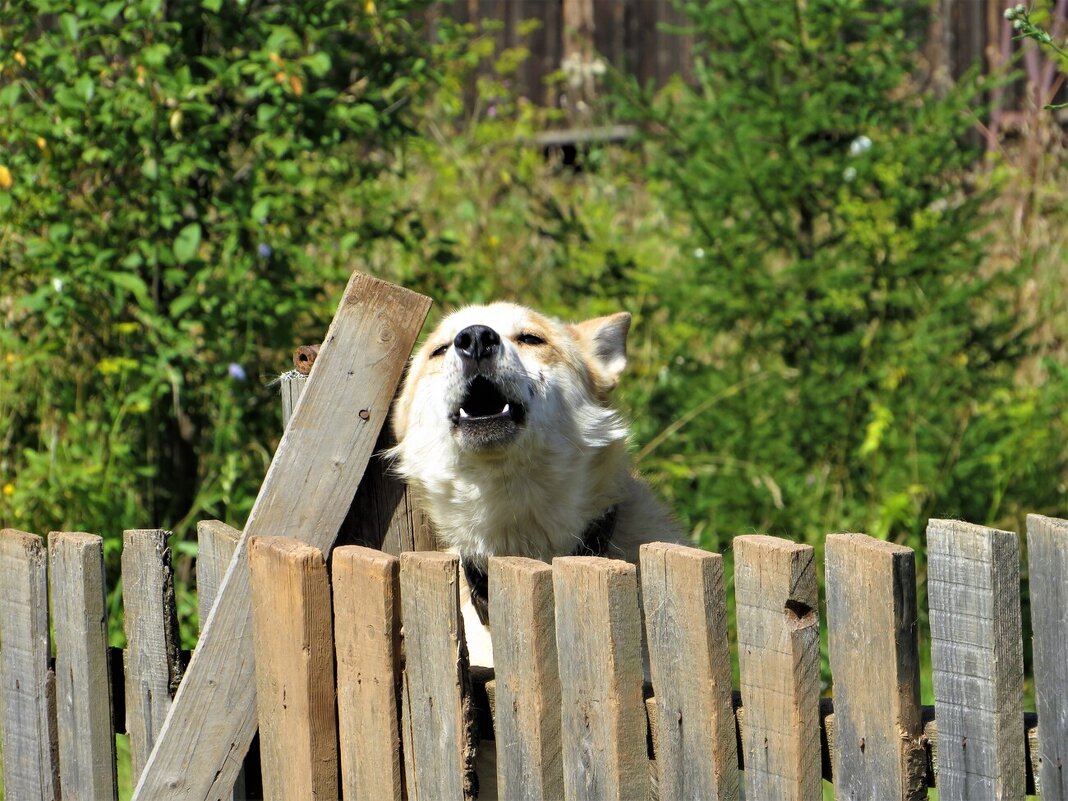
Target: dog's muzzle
486	416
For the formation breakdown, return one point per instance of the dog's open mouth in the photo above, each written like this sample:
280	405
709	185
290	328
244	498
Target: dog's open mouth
485	416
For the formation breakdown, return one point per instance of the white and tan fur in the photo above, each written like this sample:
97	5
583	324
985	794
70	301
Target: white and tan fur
529	479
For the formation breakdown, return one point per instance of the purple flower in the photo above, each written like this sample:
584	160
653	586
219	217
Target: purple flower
236	371
491	112
264	250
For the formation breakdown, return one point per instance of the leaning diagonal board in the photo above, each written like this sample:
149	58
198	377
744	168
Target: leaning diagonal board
307	491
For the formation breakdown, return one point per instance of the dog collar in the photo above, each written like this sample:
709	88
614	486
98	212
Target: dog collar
594	542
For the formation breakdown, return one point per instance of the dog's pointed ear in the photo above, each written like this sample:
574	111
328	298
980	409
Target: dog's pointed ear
604	343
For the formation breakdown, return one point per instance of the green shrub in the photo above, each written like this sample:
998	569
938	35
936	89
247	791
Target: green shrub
840	355
168	174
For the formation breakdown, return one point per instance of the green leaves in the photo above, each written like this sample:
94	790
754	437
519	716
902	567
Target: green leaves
186	243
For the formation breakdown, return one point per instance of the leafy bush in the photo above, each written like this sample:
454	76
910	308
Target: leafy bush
168	174
843	356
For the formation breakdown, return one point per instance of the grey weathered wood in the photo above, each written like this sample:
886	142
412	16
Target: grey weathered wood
83	683
973	589
526	680
307	491
150	620
438	734
216	543
779	660
1047	560
294	645
291	387
27	686
598	642
686	620
367	643
871	619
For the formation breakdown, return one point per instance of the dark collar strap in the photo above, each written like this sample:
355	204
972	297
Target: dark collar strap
595	540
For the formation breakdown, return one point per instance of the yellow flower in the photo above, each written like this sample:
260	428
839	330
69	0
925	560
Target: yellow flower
21	59
41	143
276	59
9	489
5	177
140	75
369	7
127	328
296	85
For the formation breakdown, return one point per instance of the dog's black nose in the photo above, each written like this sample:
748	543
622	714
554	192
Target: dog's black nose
477	342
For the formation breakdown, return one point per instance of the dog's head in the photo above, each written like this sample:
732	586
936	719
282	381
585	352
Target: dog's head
497	377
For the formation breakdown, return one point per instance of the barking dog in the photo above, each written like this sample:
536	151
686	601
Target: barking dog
508	440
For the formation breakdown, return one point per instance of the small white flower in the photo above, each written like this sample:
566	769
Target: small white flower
699	253
848	174
57	284
859	146
1020	9
1010	13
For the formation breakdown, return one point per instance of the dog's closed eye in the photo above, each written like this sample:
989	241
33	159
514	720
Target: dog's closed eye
439	351
529	339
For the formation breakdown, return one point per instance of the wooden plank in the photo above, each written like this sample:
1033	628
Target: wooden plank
27	686
871	618
686	620
438	728
307	491
150	620
973	589
367	643
1047	570
292	633
526	681
216	543
83	683
779	660
598	642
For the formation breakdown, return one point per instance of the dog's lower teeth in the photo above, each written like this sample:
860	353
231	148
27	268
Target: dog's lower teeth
506	409
464	413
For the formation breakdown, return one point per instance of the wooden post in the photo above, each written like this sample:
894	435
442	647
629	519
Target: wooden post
83	684
152	657
779	657
973	588
307	491
294	645
439	741
367	642
27	686
871	617
527	681
216	543
1047	559
686	619
598	643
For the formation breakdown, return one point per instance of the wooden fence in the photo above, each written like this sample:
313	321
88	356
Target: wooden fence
566	714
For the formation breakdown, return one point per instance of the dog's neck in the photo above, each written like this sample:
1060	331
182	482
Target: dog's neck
511	508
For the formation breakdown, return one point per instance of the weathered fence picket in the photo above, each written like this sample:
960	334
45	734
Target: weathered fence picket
598	642
292	632
27	684
973	590
437	725
152	659
1047	567
779	660
689	655
366	586
83	684
526	681
874	655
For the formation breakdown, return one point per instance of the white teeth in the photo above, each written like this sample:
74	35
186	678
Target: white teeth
506	409
463	413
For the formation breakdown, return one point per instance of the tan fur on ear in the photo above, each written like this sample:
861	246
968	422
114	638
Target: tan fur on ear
604	344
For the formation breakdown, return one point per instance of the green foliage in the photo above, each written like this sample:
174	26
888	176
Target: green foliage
837	353
169	174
